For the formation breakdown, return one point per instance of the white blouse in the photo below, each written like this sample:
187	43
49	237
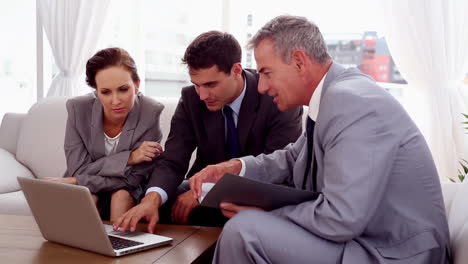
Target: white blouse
110	143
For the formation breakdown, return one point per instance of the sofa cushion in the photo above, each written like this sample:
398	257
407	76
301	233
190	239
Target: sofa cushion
170	104
9	130
11	169
41	139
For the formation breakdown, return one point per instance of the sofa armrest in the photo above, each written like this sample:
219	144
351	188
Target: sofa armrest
11	169
9	131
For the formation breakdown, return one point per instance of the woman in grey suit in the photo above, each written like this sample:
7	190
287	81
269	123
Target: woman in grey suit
112	134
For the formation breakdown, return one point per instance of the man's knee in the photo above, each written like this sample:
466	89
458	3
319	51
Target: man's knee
241	234
243	222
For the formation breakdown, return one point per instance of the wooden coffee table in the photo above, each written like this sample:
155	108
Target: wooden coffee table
22	242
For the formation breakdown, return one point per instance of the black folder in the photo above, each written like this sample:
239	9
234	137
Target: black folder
242	191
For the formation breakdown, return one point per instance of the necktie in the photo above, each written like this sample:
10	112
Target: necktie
232	139
310	140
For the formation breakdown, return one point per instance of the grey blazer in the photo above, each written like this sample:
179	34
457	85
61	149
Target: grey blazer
380	192
84	144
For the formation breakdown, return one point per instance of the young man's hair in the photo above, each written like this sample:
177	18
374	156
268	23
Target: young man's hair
213	48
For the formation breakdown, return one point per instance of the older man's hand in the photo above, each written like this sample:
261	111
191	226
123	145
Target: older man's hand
213	173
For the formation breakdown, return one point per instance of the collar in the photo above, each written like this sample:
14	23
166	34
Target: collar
315	100
236	104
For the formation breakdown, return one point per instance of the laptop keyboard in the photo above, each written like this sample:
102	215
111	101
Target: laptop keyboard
119	243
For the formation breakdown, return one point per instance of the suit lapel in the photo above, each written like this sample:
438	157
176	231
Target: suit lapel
334	71
332	74
248	111
301	164
128	130
97	131
214	128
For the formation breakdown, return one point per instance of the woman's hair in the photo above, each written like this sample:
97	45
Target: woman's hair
110	57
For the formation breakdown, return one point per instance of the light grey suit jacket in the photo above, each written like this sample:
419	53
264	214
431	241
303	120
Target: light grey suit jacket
84	144
380	192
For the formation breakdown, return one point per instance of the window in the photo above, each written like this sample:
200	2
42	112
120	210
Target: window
353	41
156	34
17	56
165	73
248	59
249	20
350	29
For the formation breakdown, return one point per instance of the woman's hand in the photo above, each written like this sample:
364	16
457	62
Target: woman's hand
146	152
69	180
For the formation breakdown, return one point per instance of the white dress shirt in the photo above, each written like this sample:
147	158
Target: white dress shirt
314	105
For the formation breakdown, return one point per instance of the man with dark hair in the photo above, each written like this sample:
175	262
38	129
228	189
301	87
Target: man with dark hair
223	116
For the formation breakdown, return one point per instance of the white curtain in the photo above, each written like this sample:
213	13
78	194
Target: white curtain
428	40
73	28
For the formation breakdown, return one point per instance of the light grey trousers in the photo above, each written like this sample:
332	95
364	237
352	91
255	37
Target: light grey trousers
254	236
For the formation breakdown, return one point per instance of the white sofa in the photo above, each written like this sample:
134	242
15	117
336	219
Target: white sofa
31	145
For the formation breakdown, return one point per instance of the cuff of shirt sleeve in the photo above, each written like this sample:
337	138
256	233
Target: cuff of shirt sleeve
206	187
242	172
160	191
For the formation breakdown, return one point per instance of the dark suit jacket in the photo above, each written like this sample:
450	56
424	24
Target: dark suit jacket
85	151
262	128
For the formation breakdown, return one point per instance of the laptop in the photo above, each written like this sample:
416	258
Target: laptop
66	214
